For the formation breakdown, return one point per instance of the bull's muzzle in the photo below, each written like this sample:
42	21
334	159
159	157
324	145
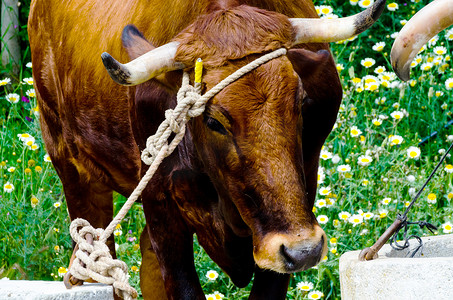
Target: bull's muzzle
289	253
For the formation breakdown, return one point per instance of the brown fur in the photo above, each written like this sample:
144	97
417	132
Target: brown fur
247	192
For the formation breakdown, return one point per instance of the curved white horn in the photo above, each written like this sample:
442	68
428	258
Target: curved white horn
425	24
333	30
145	67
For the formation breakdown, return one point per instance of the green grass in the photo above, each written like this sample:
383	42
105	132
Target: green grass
34	237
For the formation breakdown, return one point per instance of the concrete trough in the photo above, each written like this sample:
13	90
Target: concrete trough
52	290
429	275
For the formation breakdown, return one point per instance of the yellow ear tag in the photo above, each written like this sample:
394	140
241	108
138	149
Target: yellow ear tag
198	70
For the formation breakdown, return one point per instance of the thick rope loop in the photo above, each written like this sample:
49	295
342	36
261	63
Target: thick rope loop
94	261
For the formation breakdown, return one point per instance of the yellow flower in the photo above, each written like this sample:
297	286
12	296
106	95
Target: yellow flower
34	201
56	248
432	198
38	169
27	171
449	168
356	80
62	271
134	269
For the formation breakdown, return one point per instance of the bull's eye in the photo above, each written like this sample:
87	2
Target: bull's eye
215	125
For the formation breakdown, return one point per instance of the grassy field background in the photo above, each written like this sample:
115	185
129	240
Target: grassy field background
371	166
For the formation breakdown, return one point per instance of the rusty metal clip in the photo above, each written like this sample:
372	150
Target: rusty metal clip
371	253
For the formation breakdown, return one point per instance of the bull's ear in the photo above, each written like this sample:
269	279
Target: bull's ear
320	81
134	42
307	63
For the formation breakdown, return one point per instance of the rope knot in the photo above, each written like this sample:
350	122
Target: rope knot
93	260
173	123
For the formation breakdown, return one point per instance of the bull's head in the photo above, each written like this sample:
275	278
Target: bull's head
255	154
425	24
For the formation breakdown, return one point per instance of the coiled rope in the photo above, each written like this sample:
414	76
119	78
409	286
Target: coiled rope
93	260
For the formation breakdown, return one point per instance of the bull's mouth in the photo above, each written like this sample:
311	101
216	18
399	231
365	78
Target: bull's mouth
285	253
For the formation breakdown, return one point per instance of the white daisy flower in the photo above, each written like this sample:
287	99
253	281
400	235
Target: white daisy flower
319	294
344	216
325	155
397	115
8	187
344	168
212	275
355	131
386	201
28	80
324	191
449	83
304	286
322	219
12	98
356	219
447	227
367	62
413	152
365	3
392	6
396	140
364	160
378	46
5	81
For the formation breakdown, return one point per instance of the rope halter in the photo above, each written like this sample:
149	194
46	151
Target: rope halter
93	260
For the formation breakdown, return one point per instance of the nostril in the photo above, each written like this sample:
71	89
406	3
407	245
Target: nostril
301	257
290	257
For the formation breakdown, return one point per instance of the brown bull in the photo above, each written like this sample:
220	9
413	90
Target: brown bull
244	177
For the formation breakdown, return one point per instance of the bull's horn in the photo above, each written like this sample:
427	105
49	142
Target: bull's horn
333	30
145	67
425	24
